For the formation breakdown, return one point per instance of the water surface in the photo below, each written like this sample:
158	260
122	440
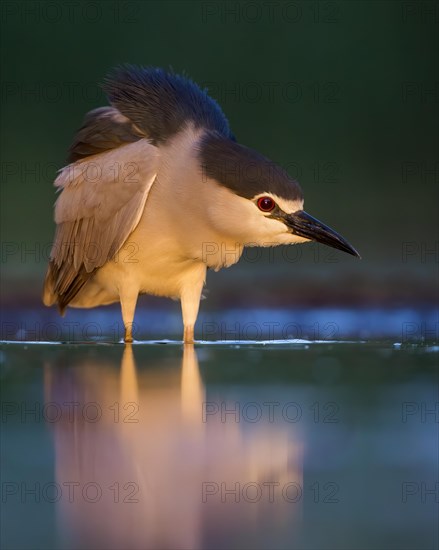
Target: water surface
331	445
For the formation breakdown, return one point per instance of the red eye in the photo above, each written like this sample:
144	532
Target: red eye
266	204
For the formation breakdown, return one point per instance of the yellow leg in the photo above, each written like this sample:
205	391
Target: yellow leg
128	334
128	300
188	336
190	302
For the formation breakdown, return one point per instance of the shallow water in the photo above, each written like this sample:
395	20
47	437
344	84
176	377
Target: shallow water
227	445
326	324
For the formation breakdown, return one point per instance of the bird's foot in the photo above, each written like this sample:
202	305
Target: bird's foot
128	337
188	336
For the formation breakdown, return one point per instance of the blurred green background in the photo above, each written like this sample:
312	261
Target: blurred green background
343	94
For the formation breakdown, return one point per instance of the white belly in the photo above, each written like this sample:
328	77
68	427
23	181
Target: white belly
156	270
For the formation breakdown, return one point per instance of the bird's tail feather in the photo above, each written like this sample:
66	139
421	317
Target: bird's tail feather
49	295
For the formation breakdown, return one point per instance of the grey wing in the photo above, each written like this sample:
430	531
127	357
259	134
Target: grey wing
102	199
103	129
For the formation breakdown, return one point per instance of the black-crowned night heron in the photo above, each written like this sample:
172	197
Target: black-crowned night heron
156	191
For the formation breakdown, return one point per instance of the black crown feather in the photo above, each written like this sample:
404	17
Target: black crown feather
161	103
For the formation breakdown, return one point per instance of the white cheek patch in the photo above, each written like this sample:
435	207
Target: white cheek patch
288	206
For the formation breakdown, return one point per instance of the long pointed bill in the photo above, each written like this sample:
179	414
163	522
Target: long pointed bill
304	225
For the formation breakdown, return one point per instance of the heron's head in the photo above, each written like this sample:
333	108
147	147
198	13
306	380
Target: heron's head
254	201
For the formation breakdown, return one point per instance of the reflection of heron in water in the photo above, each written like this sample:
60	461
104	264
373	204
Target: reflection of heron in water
157	469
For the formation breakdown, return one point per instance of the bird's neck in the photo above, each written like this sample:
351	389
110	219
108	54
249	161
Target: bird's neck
179	202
